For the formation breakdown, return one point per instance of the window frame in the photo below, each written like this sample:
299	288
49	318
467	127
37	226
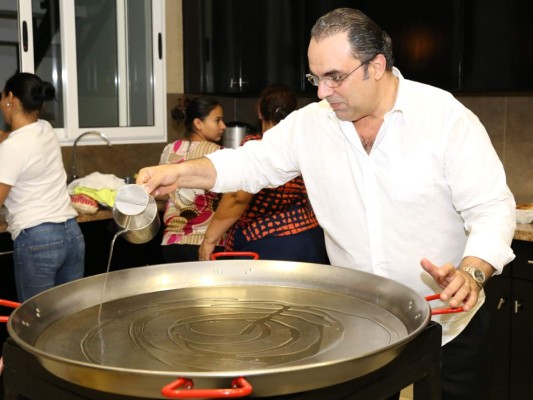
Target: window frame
156	133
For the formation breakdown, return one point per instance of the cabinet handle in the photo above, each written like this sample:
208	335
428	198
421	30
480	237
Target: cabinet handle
517	306
501	303
240	83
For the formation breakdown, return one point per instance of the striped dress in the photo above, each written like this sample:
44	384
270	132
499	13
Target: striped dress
188	211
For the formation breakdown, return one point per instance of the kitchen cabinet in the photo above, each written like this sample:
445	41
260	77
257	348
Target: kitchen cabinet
239	46
98	237
510	302
7	281
426	35
498	46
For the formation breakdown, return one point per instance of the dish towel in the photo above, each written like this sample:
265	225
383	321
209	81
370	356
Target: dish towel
101	187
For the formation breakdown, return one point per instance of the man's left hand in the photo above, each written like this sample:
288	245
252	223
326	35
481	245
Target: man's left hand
459	288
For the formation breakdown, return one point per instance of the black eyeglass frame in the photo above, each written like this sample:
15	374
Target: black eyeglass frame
335	80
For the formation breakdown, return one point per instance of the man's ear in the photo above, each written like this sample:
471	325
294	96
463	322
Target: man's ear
380	65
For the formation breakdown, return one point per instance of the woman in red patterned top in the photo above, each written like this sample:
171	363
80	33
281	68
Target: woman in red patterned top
277	223
189	211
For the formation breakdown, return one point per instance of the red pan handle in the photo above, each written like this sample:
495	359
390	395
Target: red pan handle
7	303
439	311
240	387
251	254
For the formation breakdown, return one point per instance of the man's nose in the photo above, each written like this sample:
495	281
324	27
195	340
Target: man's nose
323	90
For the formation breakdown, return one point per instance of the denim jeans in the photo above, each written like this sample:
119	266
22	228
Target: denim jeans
48	255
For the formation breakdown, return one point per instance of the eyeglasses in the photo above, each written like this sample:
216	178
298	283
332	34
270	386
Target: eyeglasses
333	81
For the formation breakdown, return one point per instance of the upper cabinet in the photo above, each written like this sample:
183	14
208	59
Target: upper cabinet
498	46
238	46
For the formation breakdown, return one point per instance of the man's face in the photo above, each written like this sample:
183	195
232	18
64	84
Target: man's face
332	56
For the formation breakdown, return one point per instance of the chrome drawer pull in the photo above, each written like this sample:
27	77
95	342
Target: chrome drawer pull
517	305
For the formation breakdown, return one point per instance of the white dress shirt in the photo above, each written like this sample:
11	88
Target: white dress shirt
432	187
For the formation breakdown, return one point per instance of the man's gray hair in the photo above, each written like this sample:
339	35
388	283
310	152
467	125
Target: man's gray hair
367	39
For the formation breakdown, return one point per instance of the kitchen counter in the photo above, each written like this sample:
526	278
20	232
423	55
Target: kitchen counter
100	215
523	231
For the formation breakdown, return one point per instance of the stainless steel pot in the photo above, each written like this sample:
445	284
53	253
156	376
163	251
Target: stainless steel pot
234	134
136	214
283	327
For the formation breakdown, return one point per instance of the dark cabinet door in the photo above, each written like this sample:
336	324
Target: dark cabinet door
521	384
7	281
100	254
521	354
426	35
240	46
499	303
498	46
510	302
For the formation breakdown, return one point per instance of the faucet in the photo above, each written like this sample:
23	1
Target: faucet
73	174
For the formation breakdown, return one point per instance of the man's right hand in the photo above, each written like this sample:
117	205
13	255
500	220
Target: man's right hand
158	180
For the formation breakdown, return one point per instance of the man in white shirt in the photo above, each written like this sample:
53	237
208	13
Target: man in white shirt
402	177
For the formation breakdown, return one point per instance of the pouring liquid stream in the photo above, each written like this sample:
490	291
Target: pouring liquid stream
107	270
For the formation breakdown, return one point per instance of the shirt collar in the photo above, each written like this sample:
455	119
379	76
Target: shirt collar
401	102
399	105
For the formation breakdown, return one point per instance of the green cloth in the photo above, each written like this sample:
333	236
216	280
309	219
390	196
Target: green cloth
102	196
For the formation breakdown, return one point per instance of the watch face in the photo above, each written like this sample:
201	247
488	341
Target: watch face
479	275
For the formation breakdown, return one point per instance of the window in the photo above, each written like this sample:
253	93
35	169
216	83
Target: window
105	58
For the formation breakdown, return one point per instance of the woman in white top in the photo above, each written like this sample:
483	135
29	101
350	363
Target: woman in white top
49	247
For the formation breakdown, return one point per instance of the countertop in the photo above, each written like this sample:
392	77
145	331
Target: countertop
523	231
98	216
101	214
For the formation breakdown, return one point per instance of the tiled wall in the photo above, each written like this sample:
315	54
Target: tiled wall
509	122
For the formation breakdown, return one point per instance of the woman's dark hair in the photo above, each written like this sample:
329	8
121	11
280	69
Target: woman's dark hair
198	107
276	102
366	38
31	90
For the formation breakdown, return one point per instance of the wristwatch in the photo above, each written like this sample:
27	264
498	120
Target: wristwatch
477	274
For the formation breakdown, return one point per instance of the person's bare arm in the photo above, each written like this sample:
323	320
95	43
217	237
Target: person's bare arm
163	179
4	192
231	207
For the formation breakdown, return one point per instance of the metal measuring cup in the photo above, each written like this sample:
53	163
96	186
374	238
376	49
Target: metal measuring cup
136	213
